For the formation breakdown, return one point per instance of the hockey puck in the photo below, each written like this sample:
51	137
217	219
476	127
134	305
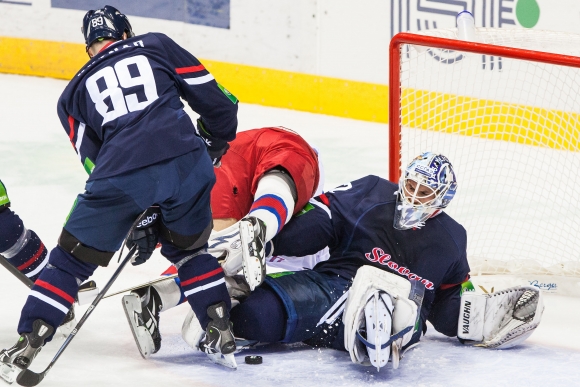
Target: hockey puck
253	359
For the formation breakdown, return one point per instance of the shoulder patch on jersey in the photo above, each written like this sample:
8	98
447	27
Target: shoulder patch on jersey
228	94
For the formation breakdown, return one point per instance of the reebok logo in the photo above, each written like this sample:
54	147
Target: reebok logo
466	316
150	219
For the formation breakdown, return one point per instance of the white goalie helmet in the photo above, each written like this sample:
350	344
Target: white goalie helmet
425	188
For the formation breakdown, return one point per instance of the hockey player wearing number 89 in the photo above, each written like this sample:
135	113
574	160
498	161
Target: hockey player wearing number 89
396	261
123	114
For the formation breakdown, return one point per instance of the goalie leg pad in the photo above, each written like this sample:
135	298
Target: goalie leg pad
502	319
378	304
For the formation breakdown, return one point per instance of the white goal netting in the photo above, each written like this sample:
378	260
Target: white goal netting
511	128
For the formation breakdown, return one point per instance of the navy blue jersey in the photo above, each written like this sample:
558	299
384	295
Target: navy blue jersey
123	109
356	222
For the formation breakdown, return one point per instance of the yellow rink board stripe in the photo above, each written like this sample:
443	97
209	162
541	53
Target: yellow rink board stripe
332	96
310	93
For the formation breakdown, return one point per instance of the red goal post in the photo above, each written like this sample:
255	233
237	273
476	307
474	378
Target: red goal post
505	112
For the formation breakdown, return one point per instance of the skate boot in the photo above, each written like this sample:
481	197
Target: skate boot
219	342
253	235
68	323
17	358
142	308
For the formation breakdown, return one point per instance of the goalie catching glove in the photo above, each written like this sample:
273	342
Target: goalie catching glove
145	235
499	320
380	316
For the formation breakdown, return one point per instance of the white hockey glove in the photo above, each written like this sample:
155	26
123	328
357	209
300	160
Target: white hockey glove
226	246
379	318
501	319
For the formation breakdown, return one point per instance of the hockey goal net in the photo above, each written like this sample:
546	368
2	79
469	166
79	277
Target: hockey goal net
506	111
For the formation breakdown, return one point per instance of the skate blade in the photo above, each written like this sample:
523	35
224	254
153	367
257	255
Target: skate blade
253	264
143	339
228	361
9	372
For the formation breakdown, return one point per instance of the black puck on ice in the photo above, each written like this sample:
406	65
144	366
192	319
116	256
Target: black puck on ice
253	359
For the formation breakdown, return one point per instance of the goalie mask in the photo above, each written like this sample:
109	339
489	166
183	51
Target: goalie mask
425	188
106	23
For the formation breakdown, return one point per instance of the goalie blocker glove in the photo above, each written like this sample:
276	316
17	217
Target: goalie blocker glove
501	319
145	235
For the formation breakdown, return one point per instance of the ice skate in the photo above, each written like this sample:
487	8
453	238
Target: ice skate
252	234
68	323
19	357
219	342
142	308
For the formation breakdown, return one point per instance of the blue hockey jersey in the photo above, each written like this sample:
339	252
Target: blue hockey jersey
123	109
356	222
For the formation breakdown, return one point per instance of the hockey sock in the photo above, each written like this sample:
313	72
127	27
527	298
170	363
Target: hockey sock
55	290
261	317
20	246
273	204
201	276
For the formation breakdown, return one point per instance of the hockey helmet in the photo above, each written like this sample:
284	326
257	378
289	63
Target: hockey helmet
107	23
425	188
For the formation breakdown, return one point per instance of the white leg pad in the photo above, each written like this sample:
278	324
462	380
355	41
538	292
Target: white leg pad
169	293
380	299
191	330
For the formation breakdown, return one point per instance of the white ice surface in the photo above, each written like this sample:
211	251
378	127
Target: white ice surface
43	176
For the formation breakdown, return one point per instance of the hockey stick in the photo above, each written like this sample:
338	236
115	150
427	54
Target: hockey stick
24	279
145	284
29	378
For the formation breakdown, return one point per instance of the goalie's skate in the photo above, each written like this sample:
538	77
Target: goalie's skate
142	309
219	343
252	234
18	357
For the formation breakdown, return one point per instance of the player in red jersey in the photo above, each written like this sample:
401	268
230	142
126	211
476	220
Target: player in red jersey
267	175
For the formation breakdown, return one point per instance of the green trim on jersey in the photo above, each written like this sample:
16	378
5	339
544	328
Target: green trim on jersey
71	210
281	274
89	165
228	94
3	195
306	208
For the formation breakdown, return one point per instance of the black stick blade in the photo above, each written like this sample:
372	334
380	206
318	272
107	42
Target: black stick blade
28	378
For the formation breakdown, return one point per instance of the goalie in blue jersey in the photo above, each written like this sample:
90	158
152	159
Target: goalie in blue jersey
397	260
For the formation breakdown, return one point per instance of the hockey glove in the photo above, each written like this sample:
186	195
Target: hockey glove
216	148
4	201
145	235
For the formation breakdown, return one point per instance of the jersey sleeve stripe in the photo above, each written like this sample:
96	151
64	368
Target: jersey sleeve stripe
71	124
199	80
191	69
